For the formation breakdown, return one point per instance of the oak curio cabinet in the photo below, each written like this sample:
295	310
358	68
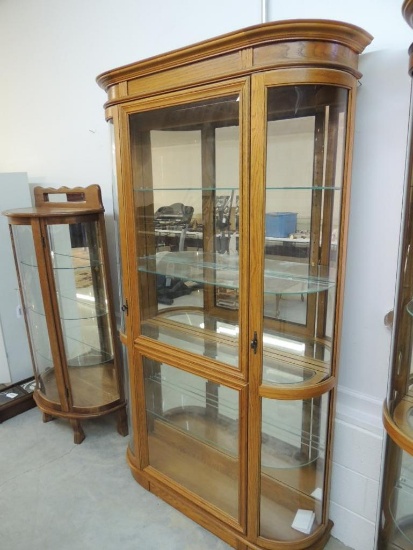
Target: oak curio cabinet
233	166
61	259
396	518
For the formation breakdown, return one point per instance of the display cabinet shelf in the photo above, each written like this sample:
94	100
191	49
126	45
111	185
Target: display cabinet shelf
280	277
219	188
233	161
89	310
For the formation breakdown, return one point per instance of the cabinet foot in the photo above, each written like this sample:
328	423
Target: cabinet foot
47	417
122	422
79	434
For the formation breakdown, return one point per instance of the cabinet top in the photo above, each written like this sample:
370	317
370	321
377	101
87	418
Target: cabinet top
71	201
295	30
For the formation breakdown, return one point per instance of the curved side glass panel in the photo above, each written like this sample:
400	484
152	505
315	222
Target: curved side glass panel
26	263
396	517
293	443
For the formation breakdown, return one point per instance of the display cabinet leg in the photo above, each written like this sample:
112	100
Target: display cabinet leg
47	417
122	422
79	434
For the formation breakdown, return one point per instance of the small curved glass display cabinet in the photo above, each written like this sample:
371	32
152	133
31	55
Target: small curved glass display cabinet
396	520
61	259
233	165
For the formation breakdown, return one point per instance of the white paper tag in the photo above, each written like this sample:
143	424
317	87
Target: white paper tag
317	493
303	521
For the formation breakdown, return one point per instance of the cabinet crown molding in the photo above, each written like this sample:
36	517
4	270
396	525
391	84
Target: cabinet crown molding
345	34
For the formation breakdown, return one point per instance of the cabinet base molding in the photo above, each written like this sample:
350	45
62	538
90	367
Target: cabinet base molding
162	487
75	418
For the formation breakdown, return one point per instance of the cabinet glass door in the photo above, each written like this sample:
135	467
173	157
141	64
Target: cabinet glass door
193	433
305	143
81	294
304	129
186	181
293	444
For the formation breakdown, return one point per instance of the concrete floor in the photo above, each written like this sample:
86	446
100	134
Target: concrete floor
58	495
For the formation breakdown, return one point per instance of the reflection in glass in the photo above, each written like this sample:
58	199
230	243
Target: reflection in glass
186	183
193	426
293	443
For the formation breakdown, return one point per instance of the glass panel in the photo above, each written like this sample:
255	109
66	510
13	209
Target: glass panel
35	314
185	162
305	130
77	261
401	503
292	466
396	529
193	427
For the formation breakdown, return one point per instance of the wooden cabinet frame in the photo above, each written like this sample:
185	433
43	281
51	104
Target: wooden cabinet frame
79	375
148	96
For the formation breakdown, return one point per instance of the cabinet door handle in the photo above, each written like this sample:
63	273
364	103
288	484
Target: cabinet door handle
254	343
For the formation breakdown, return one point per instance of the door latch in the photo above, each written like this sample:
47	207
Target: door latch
254	343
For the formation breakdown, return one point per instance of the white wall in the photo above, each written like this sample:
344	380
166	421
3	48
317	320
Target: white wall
53	128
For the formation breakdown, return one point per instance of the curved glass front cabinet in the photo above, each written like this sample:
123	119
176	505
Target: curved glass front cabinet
233	180
396	518
61	262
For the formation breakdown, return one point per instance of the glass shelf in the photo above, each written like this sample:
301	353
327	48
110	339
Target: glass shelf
91	358
280	372
66	261
185	329
286	361
187	189
90	310
280	277
278	454
229	188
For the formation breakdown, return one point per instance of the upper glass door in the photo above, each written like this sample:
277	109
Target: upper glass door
304	138
300	138
186	173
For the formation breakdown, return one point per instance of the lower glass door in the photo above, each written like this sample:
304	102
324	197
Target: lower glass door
193	433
